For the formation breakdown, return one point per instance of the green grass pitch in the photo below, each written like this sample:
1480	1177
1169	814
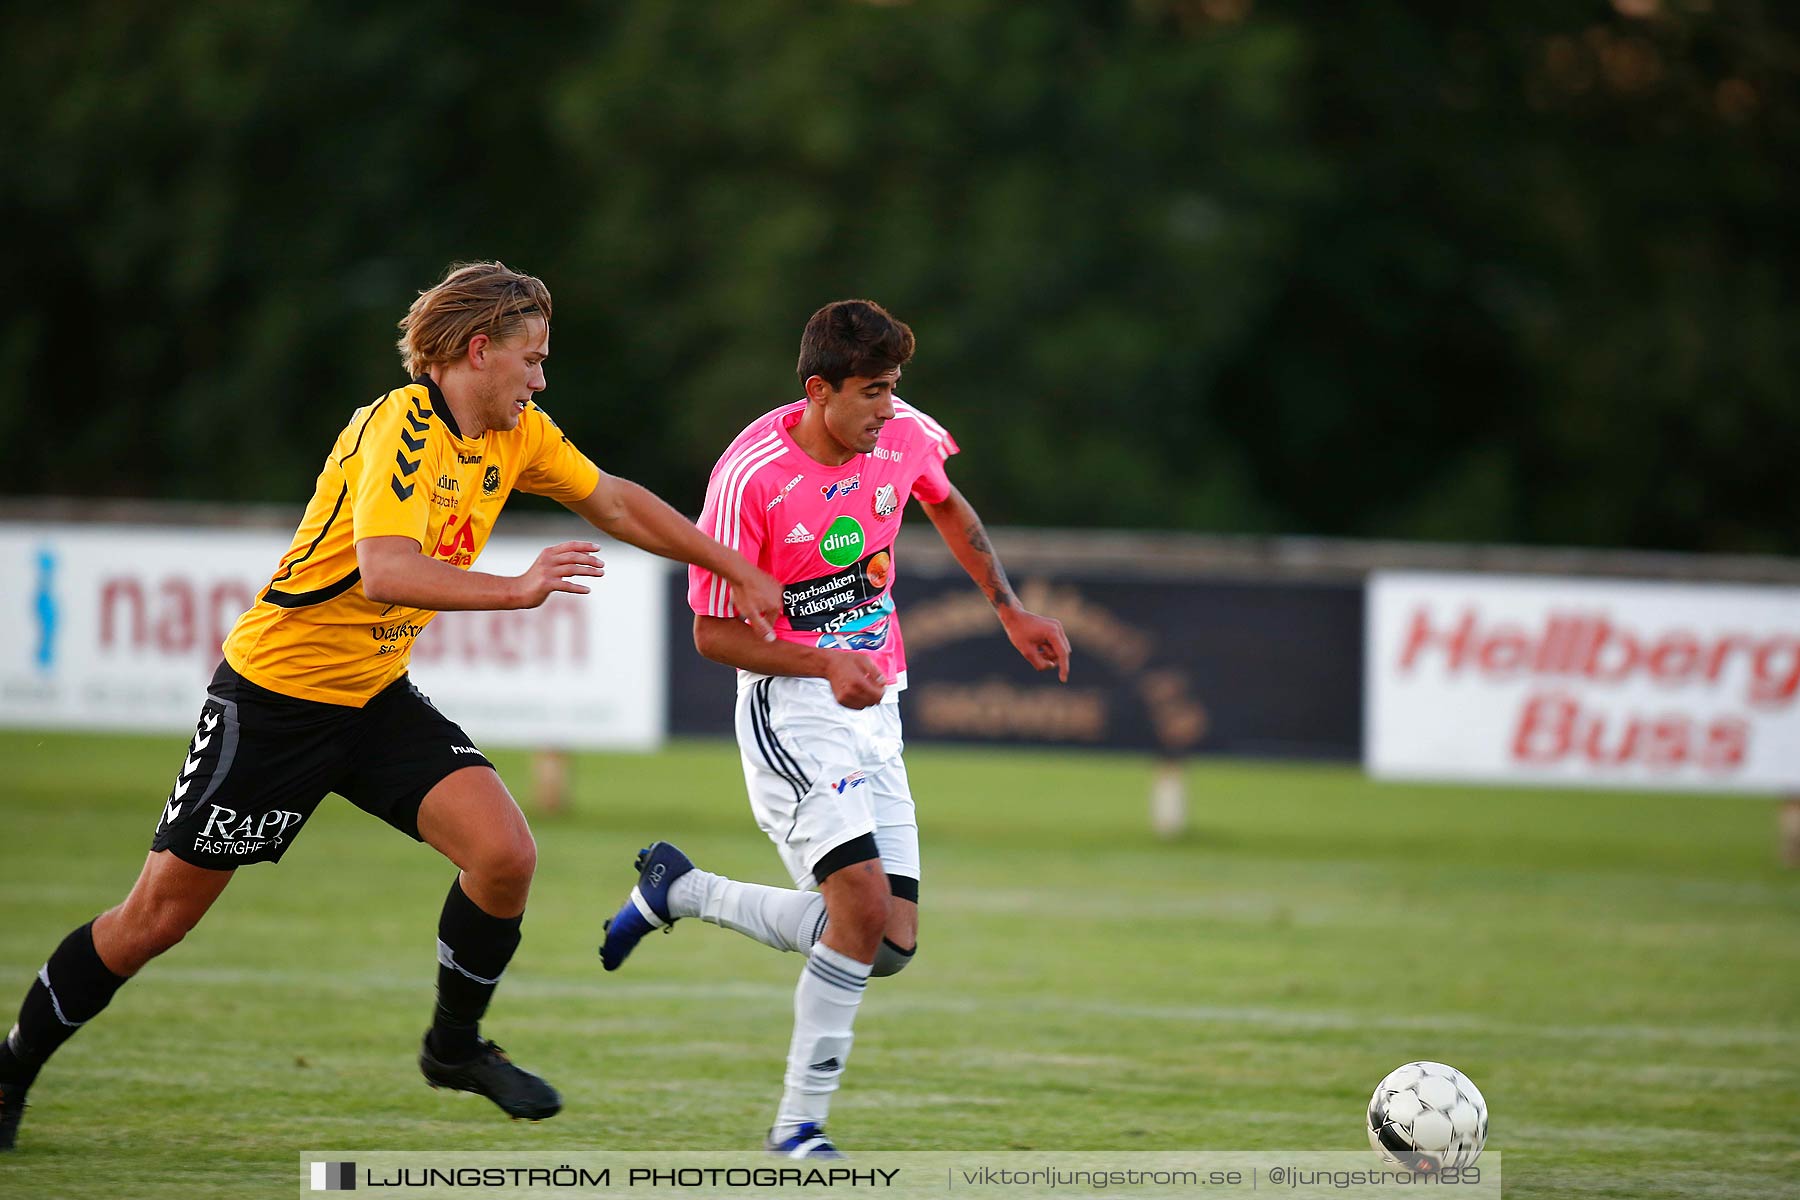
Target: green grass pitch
1619	973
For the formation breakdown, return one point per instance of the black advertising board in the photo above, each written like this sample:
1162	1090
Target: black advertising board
1251	669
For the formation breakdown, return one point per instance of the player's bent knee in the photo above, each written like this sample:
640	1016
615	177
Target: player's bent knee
855	889
520	863
510	869
891	959
859	908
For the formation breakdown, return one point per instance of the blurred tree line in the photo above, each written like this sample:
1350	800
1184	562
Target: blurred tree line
1512	270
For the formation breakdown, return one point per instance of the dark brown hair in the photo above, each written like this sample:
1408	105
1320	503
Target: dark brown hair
472	298
852	337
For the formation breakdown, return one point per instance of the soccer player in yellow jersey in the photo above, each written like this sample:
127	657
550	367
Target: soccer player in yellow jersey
313	696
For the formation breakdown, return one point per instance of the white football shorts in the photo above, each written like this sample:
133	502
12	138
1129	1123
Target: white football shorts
820	774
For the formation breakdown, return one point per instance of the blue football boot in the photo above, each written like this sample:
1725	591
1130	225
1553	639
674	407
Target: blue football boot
658	865
808	1141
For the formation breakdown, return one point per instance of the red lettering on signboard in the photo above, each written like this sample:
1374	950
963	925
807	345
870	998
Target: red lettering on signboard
113	594
1554	728
1592	647
187	616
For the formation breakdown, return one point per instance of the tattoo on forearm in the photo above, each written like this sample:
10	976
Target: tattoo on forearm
999	591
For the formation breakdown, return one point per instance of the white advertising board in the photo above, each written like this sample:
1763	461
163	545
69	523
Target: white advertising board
119	627
1582	682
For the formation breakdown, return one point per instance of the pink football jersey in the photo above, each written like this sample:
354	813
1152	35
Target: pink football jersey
825	533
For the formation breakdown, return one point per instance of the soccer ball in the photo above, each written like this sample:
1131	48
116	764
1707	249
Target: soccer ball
1426	1116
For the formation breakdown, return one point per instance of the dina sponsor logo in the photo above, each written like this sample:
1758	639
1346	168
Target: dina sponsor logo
843	487
843	542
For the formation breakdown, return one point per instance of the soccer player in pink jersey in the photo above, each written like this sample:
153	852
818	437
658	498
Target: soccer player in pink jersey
813	493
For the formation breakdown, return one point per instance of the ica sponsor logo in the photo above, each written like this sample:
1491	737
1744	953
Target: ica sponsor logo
842	543
456	542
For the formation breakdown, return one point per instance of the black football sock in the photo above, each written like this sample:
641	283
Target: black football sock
473	950
70	991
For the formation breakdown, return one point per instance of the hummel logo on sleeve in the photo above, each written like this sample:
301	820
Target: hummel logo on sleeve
799	533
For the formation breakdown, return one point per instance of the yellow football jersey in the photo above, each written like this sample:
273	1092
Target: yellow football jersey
400	467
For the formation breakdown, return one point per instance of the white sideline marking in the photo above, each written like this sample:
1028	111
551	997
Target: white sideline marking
1258	1016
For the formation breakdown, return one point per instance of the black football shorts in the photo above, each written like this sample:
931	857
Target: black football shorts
260	762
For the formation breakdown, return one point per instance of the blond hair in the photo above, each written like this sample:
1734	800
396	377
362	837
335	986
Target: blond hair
473	298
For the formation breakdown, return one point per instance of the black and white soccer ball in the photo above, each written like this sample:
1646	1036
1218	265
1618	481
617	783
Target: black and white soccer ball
1426	1116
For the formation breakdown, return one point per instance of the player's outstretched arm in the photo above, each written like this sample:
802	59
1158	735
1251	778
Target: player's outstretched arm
1040	639
856	681
632	513
395	570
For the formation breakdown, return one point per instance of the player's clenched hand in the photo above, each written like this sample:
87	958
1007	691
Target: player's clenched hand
1040	639
556	569
757	597
856	682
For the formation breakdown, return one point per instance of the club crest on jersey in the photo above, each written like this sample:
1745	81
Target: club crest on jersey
490	480
886	502
842	487
798	535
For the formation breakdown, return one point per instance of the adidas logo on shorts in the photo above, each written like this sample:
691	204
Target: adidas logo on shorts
799	533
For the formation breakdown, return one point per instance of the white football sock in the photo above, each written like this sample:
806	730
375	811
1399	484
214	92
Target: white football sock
780	917
825	1002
